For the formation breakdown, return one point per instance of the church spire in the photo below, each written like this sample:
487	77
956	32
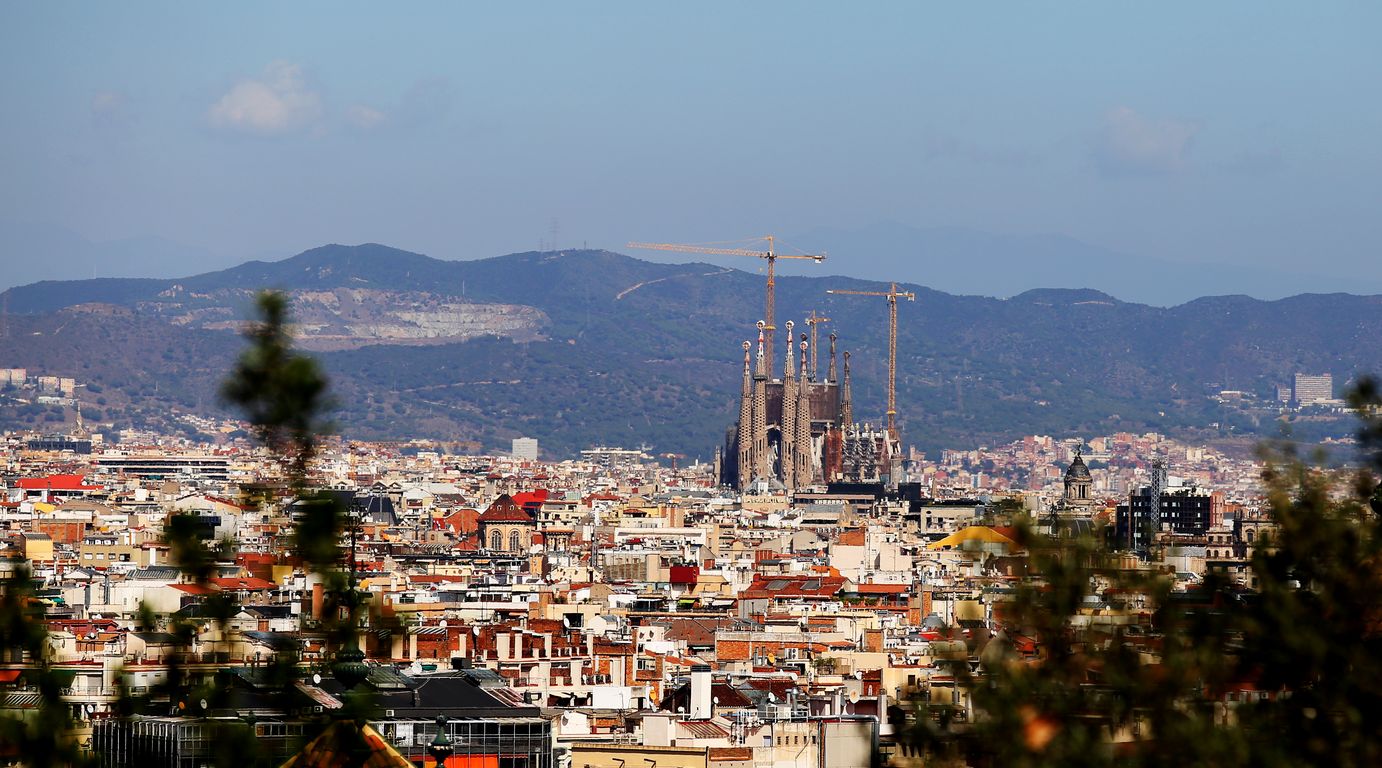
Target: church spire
831	376
803	470
748	374
786	442
761	459
846	404
744	455
760	366
788	367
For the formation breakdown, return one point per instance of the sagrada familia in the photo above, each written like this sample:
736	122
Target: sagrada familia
798	431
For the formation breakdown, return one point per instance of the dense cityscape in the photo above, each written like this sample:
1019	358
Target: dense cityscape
783	606
716	385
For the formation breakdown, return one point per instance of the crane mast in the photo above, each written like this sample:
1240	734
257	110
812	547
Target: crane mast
892	295
770	255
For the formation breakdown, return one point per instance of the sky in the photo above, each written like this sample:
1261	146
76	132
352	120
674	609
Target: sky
196	135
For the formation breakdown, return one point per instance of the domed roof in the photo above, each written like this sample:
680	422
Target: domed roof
505	510
1077	469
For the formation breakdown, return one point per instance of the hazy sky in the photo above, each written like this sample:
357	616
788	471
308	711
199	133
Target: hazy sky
1240	133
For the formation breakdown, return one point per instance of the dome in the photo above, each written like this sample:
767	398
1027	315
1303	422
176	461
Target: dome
1077	469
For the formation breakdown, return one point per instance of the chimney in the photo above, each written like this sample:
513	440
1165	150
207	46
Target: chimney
702	708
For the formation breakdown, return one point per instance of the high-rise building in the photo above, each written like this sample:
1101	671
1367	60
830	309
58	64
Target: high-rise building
1311	389
1183	511
525	448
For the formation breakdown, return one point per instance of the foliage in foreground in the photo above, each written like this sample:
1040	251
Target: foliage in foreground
1288	675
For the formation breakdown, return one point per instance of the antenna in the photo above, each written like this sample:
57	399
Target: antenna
1158	483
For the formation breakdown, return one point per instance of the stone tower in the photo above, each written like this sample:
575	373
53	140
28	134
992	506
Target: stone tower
1079	486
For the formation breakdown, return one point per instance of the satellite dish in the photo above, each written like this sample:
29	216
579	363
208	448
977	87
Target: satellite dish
443	624
90	708
772	698
202	704
714	699
853	697
858	674
681	710
316	679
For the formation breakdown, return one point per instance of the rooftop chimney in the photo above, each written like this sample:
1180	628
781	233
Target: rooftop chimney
702	708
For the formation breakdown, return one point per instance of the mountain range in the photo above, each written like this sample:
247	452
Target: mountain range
586	347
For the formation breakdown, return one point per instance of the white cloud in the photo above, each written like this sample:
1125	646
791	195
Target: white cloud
107	102
278	102
1131	143
364	116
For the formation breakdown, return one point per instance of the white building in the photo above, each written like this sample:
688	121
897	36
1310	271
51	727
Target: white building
525	448
1311	389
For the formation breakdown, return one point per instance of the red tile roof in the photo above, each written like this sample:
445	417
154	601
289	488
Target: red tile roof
852	538
505	510
244	583
56	483
812	587
527	498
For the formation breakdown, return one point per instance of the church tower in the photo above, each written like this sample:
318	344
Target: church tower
745	442
846	404
762	465
1079	486
803	457
787	433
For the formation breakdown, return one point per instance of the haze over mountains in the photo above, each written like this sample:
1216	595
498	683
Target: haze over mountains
977	262
953	259
579	348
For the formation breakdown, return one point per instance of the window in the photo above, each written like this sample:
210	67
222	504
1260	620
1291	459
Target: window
496	541
513	542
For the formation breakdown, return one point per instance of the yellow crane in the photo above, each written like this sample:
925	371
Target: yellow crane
813	321
892	295
771	255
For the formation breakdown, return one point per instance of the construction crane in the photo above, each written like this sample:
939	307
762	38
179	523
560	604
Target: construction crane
892	294
771	255
813	321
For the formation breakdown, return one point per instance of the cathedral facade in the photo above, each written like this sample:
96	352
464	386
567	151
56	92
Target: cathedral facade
790	430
